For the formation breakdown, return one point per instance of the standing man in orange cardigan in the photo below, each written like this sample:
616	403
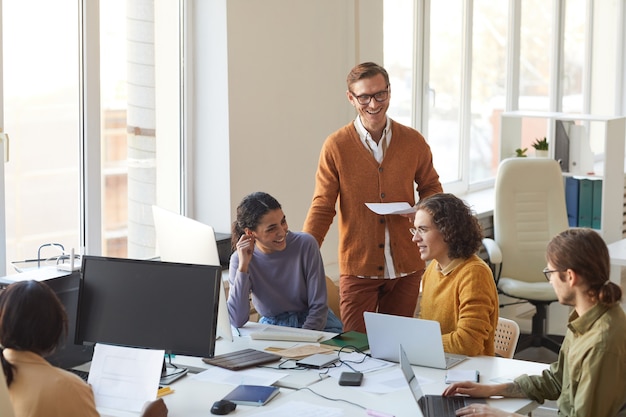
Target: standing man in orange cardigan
372	160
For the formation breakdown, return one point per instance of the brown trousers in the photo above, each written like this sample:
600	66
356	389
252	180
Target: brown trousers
390	296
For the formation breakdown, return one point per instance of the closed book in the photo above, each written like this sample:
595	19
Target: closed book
351	340
252	394
571	200
585	202
596	205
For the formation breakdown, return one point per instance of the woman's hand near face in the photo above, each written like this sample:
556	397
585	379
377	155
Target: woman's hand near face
245	249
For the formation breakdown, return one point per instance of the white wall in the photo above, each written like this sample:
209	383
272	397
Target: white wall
276	90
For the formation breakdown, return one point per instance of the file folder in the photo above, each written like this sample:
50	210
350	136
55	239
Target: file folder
585	202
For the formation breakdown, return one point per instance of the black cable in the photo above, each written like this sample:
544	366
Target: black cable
332	399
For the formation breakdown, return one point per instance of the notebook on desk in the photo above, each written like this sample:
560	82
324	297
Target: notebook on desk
242	359
290	334
432	405
420	338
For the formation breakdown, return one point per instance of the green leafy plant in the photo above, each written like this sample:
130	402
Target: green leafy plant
520	153
540	144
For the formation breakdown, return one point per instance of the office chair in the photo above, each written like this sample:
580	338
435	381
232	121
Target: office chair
332	291
506	337
529	210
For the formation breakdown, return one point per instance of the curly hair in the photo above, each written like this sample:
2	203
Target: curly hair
456	221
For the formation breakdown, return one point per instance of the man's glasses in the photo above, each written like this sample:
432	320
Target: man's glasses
380	97
547	272
421	231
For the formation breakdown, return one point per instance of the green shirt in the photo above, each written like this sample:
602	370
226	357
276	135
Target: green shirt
589	377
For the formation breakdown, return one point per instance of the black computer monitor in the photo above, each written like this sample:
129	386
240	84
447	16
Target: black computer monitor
148	304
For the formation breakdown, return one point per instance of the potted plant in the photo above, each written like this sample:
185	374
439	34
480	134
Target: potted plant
541	147
521	153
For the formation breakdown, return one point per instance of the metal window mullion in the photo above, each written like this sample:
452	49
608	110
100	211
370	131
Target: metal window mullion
421	62
466	93
513	56
89	125
557	53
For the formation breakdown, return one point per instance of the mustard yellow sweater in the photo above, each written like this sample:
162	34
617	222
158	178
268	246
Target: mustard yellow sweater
465	303
348	172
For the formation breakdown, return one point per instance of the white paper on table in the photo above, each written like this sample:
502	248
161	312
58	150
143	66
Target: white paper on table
391	208
301	409
354	362
125	378
242	377
386	382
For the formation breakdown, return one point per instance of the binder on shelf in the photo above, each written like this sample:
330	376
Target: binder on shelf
571	200
585	202
596	205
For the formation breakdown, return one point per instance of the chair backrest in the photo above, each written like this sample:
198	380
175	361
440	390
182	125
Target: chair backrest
506	337
332	292
529	211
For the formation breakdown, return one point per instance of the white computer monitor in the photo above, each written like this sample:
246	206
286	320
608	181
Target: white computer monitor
181	239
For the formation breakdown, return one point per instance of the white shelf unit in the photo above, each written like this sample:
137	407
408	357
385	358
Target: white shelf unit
610	168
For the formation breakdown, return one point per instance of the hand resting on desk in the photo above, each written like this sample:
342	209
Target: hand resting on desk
477	390
156	408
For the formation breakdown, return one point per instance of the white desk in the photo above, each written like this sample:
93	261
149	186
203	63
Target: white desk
194	398
401	403
617	253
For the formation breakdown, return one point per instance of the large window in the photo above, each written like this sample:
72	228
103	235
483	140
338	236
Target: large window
473	59
41	114
53	143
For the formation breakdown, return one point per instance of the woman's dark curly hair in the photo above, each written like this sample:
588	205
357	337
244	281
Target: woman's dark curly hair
456	222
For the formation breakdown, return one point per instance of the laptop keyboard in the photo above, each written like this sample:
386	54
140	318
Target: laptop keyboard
446	406
83	374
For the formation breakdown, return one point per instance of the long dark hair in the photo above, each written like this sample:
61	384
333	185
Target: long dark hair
584	251
31	319
249	213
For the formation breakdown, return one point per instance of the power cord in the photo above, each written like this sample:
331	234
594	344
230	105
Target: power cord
332	399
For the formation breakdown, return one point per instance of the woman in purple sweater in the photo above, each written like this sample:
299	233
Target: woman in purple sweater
282	270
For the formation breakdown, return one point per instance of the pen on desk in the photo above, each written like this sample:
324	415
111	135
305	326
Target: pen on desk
238	332
375	413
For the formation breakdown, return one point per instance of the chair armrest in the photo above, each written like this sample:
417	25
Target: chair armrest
493	251
495	258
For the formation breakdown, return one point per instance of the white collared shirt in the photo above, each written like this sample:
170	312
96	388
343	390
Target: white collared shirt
378	150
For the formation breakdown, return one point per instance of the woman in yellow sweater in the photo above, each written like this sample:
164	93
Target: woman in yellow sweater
458	289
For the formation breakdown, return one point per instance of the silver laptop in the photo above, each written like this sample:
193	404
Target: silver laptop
420	338
432	405
6	408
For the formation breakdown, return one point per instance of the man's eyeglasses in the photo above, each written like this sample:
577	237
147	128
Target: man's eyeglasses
421	231
380	97
547	272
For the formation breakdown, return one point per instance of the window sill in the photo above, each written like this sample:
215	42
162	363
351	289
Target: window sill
481	202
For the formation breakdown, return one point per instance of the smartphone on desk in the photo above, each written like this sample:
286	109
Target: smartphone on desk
351	379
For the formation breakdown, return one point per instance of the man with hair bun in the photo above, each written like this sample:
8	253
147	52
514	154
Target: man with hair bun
589	376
